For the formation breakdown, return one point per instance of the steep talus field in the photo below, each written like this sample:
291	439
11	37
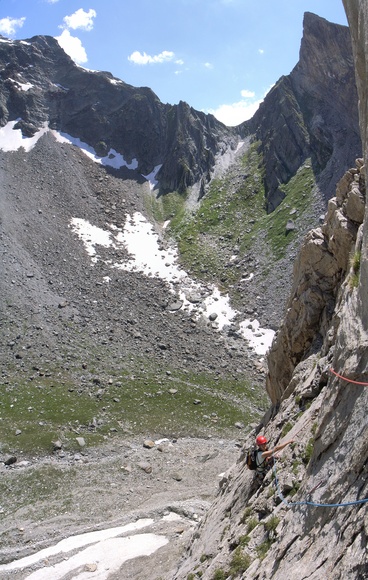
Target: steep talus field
64	325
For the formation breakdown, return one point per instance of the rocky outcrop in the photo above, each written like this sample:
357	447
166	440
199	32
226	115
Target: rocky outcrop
192	141
322	264
311	113
279	531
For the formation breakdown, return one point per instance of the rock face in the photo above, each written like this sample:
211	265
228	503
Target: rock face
311	113
323	262
313	522
107	113
357	13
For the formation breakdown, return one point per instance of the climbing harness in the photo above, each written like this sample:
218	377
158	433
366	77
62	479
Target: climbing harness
312	503
346	379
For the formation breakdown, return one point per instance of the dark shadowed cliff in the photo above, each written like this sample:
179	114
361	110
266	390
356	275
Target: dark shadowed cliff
107	113
311	113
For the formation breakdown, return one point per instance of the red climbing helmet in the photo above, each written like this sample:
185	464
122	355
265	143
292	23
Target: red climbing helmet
261	440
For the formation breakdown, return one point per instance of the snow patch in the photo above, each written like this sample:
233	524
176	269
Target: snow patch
151	177
105	550
12	139
112	159
60	87
23	86
148	257
91	236
260	339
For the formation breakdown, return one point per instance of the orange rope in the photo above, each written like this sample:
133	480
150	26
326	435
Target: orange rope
346	379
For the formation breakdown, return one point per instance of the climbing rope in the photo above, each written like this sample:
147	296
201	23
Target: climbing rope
312	503
346	379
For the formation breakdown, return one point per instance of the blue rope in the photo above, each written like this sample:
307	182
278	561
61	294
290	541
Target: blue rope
312	503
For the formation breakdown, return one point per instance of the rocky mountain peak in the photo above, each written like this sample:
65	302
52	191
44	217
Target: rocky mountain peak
100	109
311	113
333	41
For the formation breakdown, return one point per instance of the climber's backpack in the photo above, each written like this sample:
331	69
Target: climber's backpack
251	459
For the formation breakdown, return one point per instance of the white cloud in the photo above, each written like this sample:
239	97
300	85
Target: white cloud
247	94
236	113
260	51
80	19
208	65
8	26
139	58
72	46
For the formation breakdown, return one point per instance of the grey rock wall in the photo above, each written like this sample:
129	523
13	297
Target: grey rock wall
321	266
311	113
254	532
357	13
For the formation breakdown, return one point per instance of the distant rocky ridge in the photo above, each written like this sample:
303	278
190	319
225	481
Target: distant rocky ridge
106	113
310	113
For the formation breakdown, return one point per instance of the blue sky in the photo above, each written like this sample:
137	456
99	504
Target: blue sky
220	56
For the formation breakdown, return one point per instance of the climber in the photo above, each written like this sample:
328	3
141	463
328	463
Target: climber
265	457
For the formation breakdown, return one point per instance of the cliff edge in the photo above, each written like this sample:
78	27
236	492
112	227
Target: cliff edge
309	518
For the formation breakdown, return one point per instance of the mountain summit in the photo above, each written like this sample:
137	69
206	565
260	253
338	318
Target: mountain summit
42	85
311	113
